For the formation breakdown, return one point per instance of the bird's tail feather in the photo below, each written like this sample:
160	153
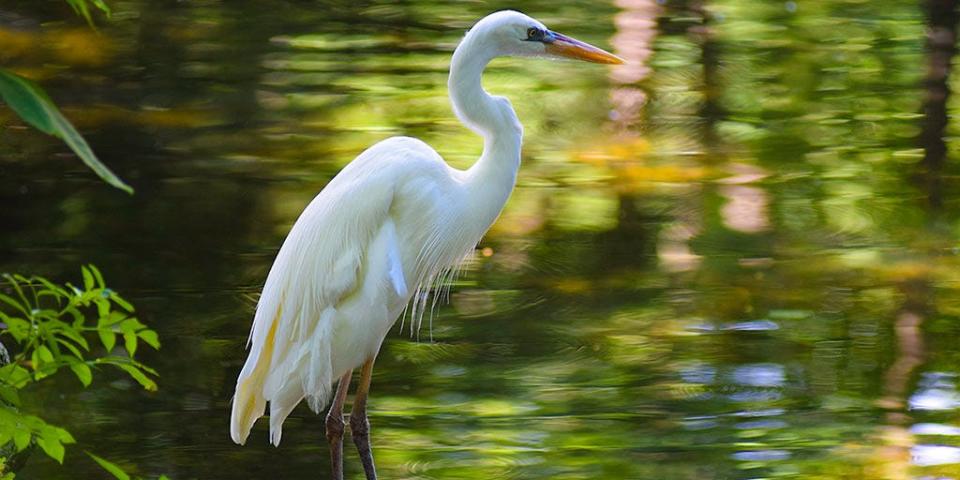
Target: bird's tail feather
300	370
249	401
282	372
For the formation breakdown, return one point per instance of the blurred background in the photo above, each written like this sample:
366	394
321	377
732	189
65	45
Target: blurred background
734	257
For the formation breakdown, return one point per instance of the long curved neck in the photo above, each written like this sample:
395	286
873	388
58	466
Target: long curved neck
491	179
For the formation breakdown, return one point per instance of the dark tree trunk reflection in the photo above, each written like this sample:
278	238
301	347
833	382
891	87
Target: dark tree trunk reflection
917	291
942	17
711	109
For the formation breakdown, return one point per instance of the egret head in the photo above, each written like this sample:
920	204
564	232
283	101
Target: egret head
512	33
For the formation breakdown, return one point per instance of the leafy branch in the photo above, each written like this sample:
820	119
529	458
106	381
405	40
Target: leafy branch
82	8
62	327
114	470
33	105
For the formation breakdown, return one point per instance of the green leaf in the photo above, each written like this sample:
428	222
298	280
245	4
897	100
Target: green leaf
114	470
75	353
103	307
18	327
108	338
130	342
9	395
15	375
74	335
150	338
139	376
33	105
131	325
15	281
51	287
147	369
46	356
21	439
120	301
96	274
64	435
51	445
82	371
78	319
87	278
111	319
80	8
15	304
102	6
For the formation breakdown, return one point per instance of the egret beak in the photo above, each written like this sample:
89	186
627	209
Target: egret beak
564	46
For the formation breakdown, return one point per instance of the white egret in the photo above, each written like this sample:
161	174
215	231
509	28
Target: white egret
390	224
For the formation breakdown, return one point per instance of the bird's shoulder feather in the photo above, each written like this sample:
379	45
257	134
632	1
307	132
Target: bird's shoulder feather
321	259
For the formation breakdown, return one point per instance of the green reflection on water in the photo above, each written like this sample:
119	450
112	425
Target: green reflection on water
722	261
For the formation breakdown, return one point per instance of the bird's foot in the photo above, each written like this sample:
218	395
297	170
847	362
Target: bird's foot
360	430
335	427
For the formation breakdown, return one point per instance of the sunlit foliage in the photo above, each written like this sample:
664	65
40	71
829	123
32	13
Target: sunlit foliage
47	328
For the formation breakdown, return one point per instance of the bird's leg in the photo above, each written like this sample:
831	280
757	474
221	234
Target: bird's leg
335	426
359	426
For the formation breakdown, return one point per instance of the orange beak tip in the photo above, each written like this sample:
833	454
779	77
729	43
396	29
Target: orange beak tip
564	46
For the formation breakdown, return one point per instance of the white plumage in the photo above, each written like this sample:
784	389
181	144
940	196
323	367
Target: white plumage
377	233
380	234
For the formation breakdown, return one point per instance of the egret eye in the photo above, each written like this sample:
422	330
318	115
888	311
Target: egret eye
534	33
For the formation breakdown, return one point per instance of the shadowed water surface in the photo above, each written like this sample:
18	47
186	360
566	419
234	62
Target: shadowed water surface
734	257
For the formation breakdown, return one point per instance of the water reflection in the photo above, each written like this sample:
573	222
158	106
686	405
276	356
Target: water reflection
718	263
929	455
761	455
759	375
934	429
936	391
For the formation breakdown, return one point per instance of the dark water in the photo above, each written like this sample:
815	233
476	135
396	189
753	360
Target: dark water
733	258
